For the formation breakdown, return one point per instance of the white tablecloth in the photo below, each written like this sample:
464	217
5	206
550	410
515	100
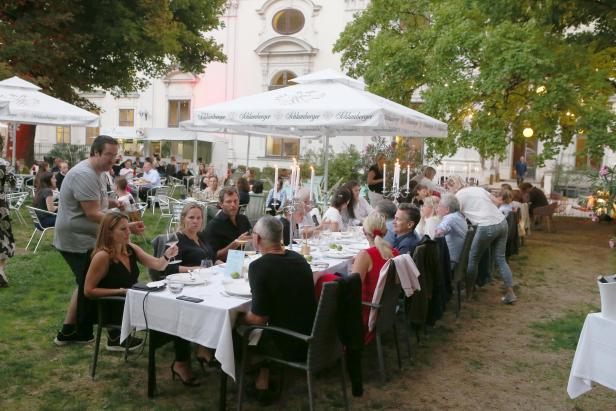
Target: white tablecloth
209	323
595	356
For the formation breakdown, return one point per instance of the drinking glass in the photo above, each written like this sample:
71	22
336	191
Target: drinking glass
175	286
133	212
172	239
207	263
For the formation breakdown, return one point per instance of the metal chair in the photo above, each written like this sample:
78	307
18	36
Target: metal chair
324	347
176	212
105	322
459	271
155	195
255	208
174	184
386	317
164	203
37	225
16	201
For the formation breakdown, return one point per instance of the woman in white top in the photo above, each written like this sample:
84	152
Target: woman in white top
332	218
127	172
429	219
492	229
358	208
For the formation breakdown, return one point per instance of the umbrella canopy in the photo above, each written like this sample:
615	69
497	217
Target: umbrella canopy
323	103
22	102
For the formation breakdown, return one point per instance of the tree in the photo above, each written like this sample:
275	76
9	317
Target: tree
70	45
491	68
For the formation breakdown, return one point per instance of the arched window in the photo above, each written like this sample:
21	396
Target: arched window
288	21
281	79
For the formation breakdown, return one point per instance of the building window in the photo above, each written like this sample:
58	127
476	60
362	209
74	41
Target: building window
582	159
288	21
91	134
282	79
63	135
179	110
282	147
127	117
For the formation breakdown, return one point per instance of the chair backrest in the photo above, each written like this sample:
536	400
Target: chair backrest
389	300
157	249
459	273
255	208
34	216
105	307
176	213
325	346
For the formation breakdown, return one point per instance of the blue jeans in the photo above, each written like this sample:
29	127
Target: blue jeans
493	237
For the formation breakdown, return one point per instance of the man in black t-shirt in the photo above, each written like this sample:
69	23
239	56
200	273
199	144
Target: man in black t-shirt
229	228
282	292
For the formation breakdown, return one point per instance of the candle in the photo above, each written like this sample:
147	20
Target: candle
275	181
408	176
298	174
311	181
384	175
397	175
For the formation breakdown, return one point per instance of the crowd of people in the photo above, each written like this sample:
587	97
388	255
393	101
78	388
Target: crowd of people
95	242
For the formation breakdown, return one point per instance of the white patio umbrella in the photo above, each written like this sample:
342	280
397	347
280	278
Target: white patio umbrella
325	103
21	102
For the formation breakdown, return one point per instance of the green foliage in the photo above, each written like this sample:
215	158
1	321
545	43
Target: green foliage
66	45
345	165
491	68
72	153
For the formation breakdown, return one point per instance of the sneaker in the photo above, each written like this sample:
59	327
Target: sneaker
74	337
134	343
509	298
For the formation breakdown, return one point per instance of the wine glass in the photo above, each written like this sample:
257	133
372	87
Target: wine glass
172	239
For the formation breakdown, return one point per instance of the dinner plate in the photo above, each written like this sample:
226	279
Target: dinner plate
238	288
186	278
319	266
339	254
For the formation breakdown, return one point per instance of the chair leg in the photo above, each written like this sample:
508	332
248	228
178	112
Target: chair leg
379	353
39	241
310	391
459	302
97	344
397	347
31	237
343	382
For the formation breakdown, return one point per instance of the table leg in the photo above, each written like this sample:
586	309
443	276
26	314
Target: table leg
222	400
151	367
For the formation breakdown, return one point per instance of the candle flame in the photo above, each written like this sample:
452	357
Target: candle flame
312	168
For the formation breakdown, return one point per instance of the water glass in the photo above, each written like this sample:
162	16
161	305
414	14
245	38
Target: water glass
175	286
207	263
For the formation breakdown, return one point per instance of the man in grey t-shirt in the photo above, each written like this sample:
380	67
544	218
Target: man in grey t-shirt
82	205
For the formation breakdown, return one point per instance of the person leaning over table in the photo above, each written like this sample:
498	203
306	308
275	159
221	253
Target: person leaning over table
282	296
406	219
492	229
225	231
452	226
113	270
82	204
332	218
369	262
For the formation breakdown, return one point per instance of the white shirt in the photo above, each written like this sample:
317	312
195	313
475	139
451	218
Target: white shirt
362	209
333	215
477	206
128	173
152	177
427	226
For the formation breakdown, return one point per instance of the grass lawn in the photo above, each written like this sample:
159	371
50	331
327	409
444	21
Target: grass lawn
493	357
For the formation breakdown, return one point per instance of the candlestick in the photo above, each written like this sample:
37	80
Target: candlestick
384	175
311	181
397	175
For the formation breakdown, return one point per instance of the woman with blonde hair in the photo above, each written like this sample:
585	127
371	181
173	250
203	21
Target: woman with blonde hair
369	262
114	269
193	247
429	219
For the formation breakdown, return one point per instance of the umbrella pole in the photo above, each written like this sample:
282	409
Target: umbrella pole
248	153
325	169
13	131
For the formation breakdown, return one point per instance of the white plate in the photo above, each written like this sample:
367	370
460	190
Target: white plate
186	279
239	288
319	266
339	254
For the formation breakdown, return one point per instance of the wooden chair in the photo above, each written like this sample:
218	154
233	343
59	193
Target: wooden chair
545	213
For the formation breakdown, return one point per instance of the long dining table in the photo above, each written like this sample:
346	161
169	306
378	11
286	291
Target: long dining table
210	323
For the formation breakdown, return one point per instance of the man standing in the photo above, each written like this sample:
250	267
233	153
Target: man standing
82	203
375	180
406	219
61	174
520	169
151	177
229	228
